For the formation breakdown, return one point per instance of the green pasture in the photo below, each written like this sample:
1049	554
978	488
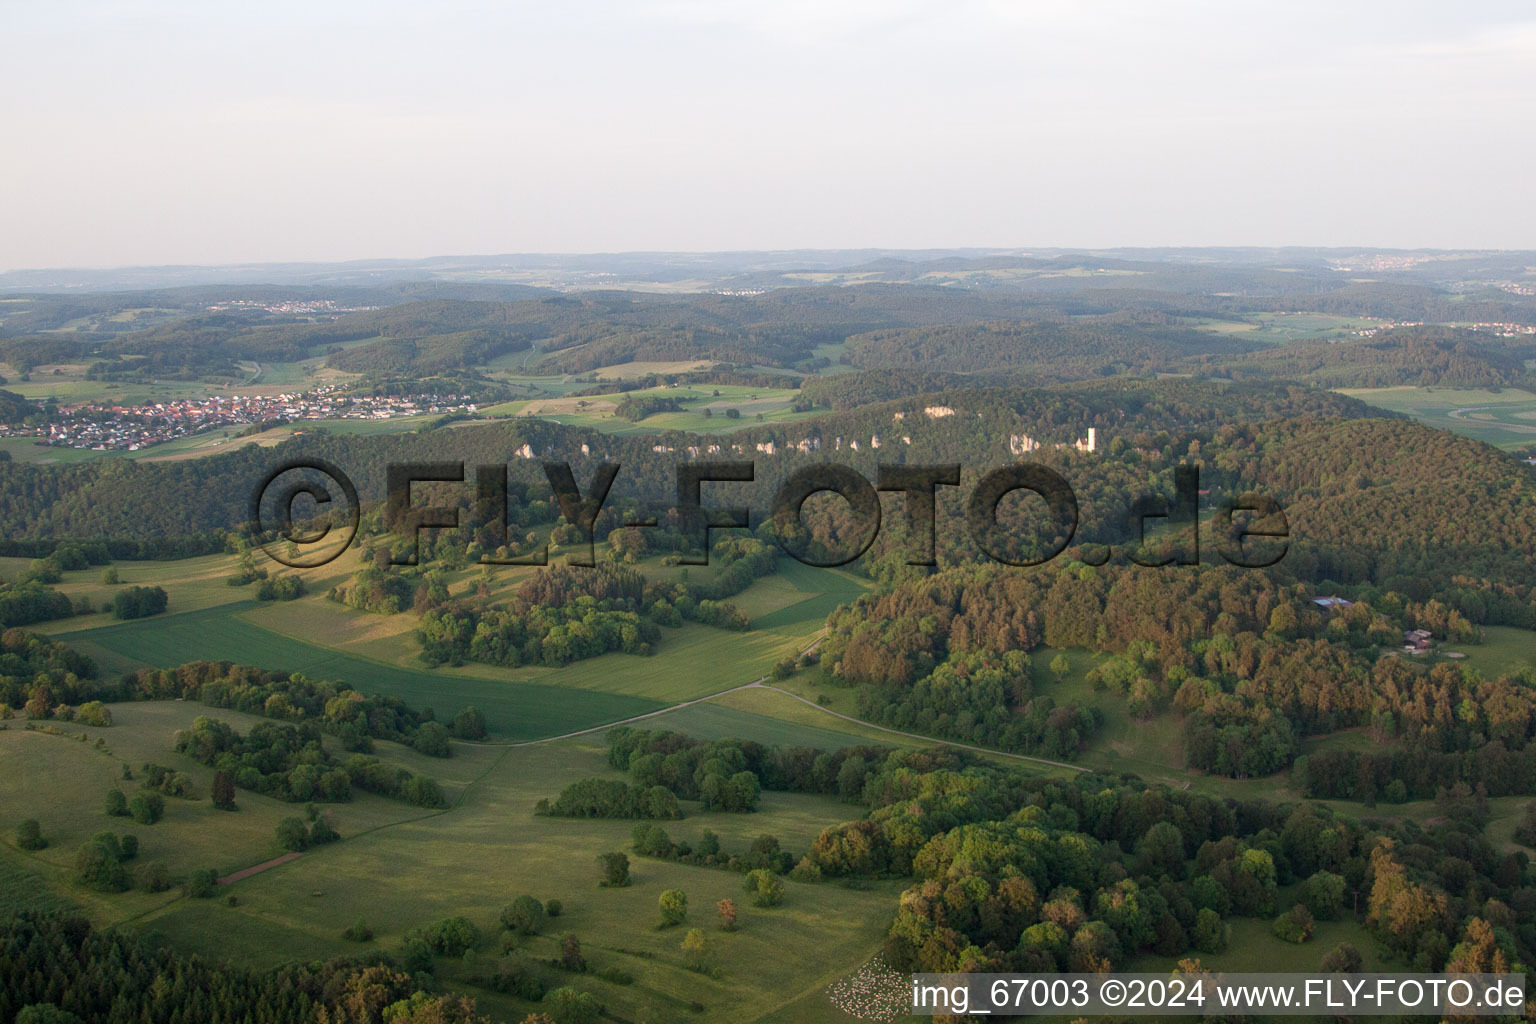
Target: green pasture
515	710
771	723
775	405
477	857
62	781
1278	328
1505	650
1505	418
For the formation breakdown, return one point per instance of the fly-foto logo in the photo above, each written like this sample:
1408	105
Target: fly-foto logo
1257	540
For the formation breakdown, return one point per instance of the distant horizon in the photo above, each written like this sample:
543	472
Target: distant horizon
1020	251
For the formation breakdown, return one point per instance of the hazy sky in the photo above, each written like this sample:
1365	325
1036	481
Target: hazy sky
158	132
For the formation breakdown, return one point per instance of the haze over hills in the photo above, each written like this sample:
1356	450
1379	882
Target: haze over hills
709	271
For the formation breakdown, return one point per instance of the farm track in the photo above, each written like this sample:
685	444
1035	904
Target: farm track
256	869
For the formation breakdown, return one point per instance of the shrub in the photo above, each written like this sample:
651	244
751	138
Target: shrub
553	908
153	878
358	931
322	832
117	804
766	888
514	975
469	724
1323	895
806	871
452	936
280	588
293	834
1295	925
1210	934
200	885
99	864
1342	959
653	841
432	740
223	790
147	808
674	907
615	869
138	602
568	1006
570	955
416	955
94	713
697	950
524	915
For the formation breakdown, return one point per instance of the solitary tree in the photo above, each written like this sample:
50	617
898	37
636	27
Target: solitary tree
292	834
524	915
727	911
1342	959
765	887
29	835
1060	666
674	907
697	949
615	870
569	1006
570	955
117	803
147	808
223	791
469	724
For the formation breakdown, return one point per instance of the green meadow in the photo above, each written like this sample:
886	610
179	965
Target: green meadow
514	710
1504	418
208	620
706	409
401	868
1278	328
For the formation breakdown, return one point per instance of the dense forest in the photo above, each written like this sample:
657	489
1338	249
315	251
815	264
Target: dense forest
1010	872
1425	355
1250	666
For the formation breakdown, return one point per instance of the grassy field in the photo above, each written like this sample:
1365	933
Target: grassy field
477	857
1505	418
1505	650
598	411
471	859
772	718
322	639
66	781
1279	328
514	710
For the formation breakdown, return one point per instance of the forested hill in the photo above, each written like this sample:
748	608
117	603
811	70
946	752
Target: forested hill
124	499
1423	355
777	327
1368	498
1056	348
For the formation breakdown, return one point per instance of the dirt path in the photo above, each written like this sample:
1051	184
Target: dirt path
669	708
763	684
256	869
